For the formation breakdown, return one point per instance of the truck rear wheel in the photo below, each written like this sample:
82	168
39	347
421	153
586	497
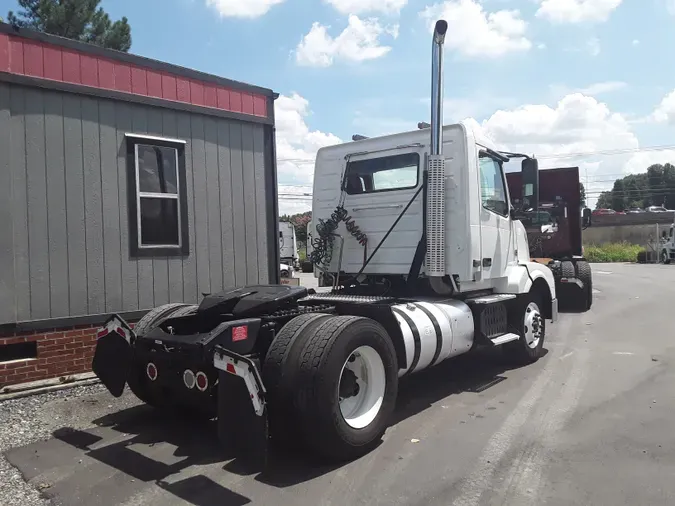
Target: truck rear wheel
527	320
279	369
347	387
586	277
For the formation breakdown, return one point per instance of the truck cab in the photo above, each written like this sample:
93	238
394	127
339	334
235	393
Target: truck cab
374	179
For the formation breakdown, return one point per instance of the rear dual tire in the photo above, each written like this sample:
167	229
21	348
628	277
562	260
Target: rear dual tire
585	275
340	388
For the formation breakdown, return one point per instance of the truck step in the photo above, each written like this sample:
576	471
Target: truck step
491	299
505	338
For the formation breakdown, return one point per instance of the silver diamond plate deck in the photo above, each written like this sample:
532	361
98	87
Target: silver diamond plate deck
331	297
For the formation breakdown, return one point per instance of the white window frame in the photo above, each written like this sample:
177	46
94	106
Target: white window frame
171	196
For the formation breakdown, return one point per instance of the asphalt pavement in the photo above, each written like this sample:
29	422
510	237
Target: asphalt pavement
588	424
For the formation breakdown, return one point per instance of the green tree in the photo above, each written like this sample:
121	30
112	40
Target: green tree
81	20
582	194
604	200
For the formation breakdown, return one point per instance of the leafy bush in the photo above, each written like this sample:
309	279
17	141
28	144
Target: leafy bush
612	252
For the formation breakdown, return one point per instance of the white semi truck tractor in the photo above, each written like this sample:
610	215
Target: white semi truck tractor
416	234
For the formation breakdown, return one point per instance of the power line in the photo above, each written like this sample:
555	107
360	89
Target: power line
609	152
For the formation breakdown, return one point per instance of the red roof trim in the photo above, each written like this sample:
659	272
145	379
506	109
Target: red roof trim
51	62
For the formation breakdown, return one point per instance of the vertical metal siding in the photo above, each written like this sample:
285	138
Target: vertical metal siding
146	289
63	187
56	206
17	166
7	309
110	204
201	244
214	228
36	181
239	233
160	266
74	177
261	204
226	216
175	265
129	266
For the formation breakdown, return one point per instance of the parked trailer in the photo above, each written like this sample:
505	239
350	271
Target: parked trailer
288	245
667	243
554	219
427	261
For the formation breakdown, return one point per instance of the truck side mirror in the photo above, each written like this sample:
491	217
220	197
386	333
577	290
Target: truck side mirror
586	220
664	234
530	177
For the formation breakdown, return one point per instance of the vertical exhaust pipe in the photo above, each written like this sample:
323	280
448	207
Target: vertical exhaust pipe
435	202
437	87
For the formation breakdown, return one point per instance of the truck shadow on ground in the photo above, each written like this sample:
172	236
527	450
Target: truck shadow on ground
194	441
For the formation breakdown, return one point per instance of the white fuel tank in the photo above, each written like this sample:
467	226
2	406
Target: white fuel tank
433	331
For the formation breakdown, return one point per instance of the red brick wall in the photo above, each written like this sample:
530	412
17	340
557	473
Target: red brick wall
60	352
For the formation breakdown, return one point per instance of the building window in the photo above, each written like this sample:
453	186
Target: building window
397	172
157	199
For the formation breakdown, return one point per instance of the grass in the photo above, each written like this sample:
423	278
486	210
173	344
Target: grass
612	252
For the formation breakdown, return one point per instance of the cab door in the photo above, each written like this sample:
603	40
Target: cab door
494	217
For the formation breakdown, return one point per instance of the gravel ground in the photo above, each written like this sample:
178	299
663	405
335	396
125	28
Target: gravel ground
34	418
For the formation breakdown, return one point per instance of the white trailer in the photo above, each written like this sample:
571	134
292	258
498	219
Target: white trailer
288	245
667	253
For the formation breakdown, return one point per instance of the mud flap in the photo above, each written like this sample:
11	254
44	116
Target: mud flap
243	426
113	355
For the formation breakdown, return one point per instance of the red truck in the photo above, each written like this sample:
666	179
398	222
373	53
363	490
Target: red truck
554	219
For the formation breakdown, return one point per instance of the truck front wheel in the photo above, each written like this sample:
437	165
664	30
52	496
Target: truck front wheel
346	387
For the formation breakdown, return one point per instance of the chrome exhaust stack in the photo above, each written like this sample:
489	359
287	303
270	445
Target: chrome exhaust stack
435	206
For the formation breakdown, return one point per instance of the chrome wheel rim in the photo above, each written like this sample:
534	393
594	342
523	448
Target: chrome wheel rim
361	387
533	326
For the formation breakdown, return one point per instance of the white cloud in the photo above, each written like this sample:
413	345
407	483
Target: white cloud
360	41
635	42
665	112
592	89
564	135
242	8
593	46
296	146
474	32
577	11
603	87
361	6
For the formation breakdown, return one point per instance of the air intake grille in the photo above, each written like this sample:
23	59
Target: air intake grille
435	260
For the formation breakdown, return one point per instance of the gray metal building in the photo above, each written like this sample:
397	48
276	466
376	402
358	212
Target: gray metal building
126	183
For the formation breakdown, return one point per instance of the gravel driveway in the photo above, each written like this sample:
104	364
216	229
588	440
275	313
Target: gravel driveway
35	418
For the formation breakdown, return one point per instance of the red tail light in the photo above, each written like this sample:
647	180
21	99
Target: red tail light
202	381
151	371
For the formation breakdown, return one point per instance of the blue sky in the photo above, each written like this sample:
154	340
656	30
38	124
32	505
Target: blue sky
546	76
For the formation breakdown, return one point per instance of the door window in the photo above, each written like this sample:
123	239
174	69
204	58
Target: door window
493	191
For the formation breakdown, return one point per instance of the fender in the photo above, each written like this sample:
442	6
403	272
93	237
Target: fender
523	276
